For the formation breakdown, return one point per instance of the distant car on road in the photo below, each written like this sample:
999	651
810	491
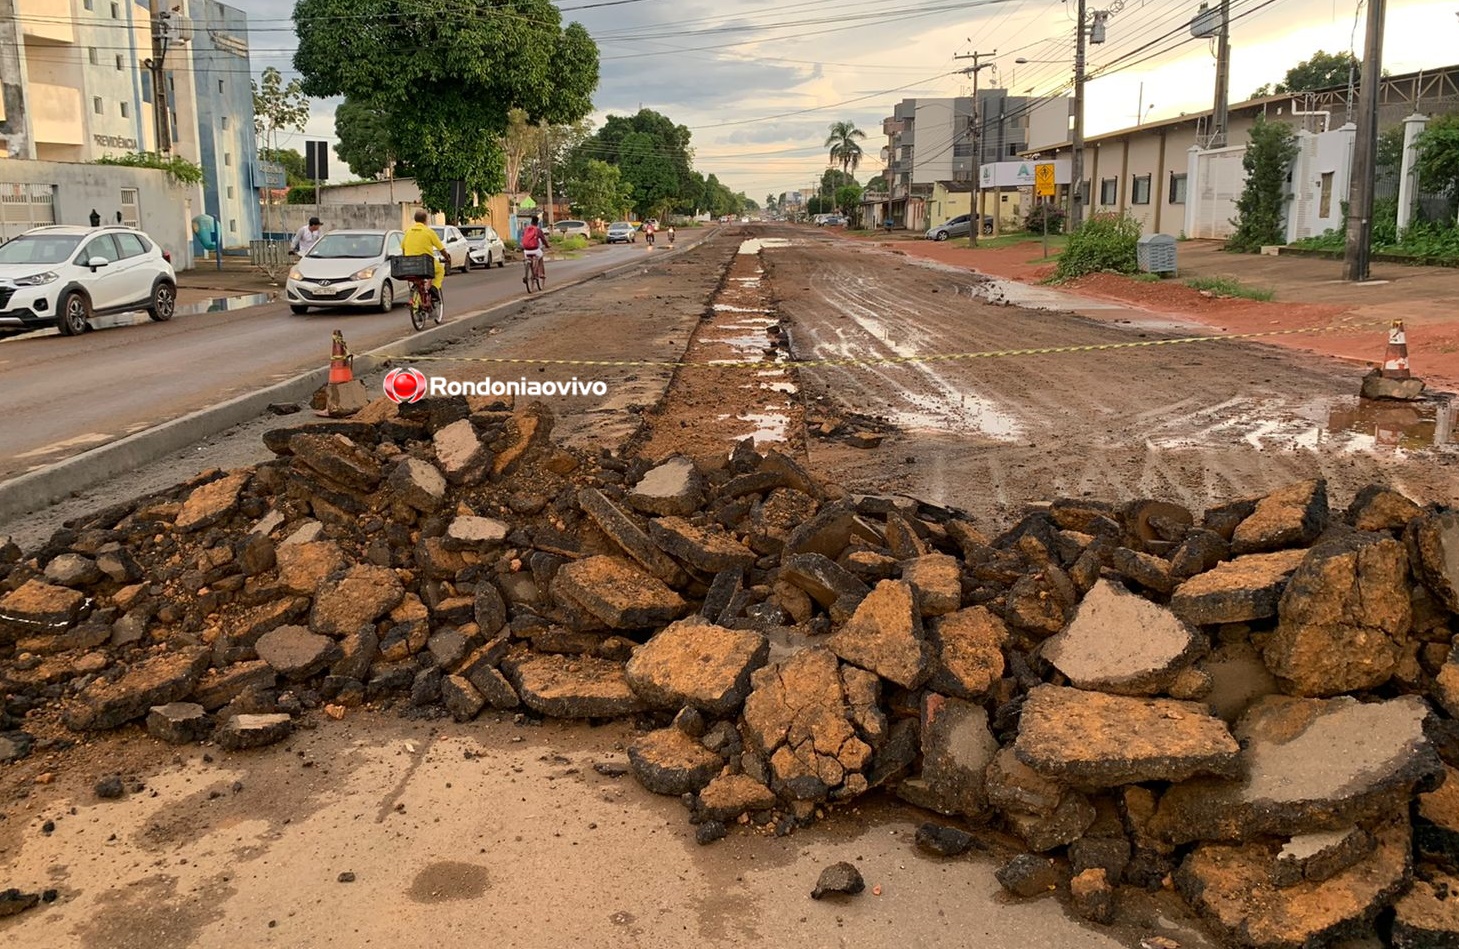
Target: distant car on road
573	229
347	268
483	246
960	226
62	276
833	220
457	247
622	232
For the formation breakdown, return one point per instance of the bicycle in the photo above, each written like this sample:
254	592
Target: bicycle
534	271
419	271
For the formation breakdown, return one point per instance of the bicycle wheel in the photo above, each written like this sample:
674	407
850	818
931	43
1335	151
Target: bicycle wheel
539	272
417	309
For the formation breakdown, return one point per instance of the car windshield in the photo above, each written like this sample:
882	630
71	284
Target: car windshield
620	226
343	246
473	233
38	249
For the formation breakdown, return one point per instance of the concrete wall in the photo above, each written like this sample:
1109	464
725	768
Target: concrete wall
1323	164
166	210
944	205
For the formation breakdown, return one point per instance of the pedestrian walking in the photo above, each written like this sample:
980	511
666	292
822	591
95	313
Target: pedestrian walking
307	237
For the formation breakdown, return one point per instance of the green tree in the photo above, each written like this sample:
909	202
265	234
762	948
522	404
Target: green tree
651	179
1262	208
653	154
1322	71
843	146
1438	157
277	106
363	130
770	203
848	199
445	77
599	192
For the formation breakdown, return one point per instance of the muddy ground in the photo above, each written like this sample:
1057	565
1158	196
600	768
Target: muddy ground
504	830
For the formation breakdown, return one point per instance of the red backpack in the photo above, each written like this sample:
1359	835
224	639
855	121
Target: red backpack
531	237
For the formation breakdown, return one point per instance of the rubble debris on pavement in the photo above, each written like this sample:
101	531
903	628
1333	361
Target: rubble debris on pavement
1244	704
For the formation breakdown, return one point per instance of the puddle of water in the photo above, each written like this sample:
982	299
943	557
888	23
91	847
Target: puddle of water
756	244
770	372
224	304
769	426
1343	425
729	308
789	388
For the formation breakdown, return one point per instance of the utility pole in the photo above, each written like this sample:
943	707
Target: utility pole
160	116
1223	78
1076	162
975	223
1365	150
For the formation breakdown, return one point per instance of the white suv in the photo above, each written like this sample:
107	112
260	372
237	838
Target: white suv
62	276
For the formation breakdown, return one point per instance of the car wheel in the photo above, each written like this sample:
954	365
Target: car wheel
987	228
941	236
501	261
488	260
298	310
387	297
75	312
467	265
164	302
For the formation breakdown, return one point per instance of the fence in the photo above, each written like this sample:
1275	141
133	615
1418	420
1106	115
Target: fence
24	206
1215	179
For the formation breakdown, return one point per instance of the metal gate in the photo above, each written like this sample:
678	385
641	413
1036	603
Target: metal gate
1218	184
24	206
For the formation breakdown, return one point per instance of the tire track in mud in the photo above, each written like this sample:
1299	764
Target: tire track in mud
1200	425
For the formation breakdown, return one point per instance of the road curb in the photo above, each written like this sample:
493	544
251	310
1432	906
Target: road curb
35	490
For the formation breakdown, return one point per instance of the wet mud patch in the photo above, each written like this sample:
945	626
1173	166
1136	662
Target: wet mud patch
152	913
449	880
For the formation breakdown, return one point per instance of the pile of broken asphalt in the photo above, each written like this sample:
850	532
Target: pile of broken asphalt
1257	706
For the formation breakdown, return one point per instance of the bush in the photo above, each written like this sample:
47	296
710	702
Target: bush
179	170
1261	211
1034	221
569	243
1105	244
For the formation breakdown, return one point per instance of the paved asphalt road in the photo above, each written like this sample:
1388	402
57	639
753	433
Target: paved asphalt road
71	394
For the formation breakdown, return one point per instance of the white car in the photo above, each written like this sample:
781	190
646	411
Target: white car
485	245
458	248
573	229
62	276
622	232
347	268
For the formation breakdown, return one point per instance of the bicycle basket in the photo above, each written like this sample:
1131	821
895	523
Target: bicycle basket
417	265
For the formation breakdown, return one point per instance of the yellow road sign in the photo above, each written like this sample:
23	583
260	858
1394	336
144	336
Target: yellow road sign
1043	180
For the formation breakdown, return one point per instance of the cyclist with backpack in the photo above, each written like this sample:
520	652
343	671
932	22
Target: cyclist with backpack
534	242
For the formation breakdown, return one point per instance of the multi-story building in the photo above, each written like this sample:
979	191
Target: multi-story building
83	92
947	139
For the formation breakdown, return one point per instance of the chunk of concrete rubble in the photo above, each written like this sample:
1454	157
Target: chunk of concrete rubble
72	570
1293	516
1145	570
1308	764
937	583
106	704
885	636
1434	544
1096	740
363	595
1436	829
527	428
863	697
957	746
619	594
178	723
673	488
839	879
1041	603
1122	643
1380	508
1230	887
626	534
1012	785
339	459
1201	550
1341	616
574	687
241	732
295	653
707	549
209	504
303	567
830	532
1064	825
967	652
218	687
13	901
1427	916
943	841
37	607
1092	896
1377	386
461	698
1446	684
796	719
1111	854
1028	875
772	520
418	484
667	761
1321	855
825	580
463	458
696	663
729	795
1239	678
1237	591
469	532
494	687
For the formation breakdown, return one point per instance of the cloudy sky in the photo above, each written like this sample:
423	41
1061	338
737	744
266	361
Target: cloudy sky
758	81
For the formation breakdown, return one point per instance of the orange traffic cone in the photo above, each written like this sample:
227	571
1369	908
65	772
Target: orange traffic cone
341	361
1395	361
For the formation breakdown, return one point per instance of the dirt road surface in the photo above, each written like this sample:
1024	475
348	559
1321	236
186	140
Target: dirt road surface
501	831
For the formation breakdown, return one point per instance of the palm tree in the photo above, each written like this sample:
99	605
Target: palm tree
842	143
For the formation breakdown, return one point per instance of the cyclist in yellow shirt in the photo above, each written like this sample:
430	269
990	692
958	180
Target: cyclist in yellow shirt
420	239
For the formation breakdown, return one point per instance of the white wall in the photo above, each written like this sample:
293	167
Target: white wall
1323	163
932	145
166	209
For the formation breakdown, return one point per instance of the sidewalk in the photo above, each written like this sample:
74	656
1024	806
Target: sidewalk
1420	296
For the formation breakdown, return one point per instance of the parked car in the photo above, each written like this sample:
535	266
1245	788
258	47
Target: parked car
62	276
833	220
484	246
347	268
458	249
573	228
622	232
960	226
